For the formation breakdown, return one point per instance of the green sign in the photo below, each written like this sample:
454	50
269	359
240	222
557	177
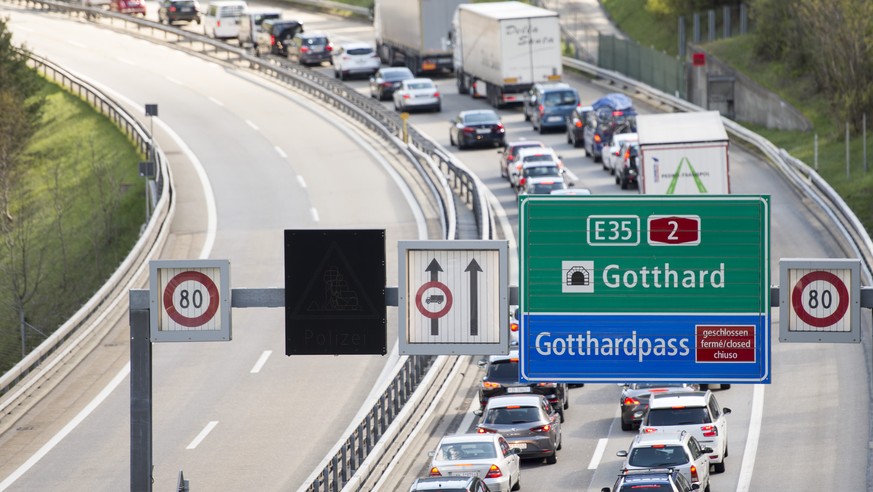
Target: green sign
663	254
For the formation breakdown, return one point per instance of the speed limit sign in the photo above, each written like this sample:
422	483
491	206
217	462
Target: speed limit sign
189	300
819	300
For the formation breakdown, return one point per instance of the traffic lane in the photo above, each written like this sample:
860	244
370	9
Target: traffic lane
196	400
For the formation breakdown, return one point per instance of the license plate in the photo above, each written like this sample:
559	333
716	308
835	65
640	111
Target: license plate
483	131
464	474
428	66
518	389
519	445
555	118
317	49
187	9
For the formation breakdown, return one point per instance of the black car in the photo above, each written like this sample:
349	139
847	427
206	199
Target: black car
654	479
576	125
634	401
501	378
171	11
310	49
385	81
453	484
275	36
477	127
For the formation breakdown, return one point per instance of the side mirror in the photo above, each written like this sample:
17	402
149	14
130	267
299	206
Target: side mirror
515	450
482	362
725	411
622	453
571	184
478	412
431	453
605	489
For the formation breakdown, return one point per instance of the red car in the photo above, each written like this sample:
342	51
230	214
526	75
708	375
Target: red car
133	7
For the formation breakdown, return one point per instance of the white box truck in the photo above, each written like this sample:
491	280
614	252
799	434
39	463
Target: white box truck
502	49
415	33
683	154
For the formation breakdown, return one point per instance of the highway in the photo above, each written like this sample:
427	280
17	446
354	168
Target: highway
808	430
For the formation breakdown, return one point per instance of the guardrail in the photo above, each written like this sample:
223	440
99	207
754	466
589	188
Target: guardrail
15	385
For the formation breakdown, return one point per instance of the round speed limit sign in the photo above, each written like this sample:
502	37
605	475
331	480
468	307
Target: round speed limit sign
820	301
190	300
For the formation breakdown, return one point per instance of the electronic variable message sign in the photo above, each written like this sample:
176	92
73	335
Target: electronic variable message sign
644	289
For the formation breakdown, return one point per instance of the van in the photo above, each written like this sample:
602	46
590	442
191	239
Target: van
275	36
222	18
250	24
549	105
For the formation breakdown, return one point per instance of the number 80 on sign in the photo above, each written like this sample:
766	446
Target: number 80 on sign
190	300
819	300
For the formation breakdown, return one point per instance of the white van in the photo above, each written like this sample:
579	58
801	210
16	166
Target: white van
222	18
250	23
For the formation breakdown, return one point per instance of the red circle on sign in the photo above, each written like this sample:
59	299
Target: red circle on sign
433	284
180	318
808	318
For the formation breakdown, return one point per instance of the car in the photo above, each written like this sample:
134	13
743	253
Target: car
310	48
634	400
250	24
679	451
654	480
626	168
449	484
477	127
488	456
222	18
548	105
576	125
697	412
608	113
386	80
527	422
501	378
612	150
571	191
509	154
132	7
544	186
417	93
355	59
532	155
276	35
172	11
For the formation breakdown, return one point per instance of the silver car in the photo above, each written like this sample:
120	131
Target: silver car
487	456
527	422
677	450
417	94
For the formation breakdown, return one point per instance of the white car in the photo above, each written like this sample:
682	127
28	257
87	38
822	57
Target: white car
417	94
355	59
487	456
697	412
532	155
679	450
609	156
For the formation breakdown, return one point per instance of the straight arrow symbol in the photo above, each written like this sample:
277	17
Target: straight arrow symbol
474	270
434	267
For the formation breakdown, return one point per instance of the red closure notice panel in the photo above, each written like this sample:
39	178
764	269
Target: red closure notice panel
730	343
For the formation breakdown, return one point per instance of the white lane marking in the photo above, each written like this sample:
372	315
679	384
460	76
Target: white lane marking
261	361
598	454
757	415
301	181
254	126
216	101
175	81
281	152
200	437
82	415
77	44
125	60
314	214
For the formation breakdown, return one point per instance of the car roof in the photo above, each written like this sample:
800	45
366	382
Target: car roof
418	79
571	191
690	399
308	34
472	437
525	143
356	44
395	70
536	151
437	483
549	86
500	401
469	112
666	437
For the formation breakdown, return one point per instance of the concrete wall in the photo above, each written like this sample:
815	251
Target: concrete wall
751	103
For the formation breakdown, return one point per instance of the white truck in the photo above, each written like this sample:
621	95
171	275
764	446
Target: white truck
502	49
683	154
415	33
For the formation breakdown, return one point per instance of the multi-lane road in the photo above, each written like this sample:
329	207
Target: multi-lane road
274	163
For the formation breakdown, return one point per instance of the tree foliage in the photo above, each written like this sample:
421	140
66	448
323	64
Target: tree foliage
675	8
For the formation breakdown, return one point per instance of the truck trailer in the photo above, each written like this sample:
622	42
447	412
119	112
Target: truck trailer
502	49
415	33
683	154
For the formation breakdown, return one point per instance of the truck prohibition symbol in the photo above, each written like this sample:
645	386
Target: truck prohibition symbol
435	298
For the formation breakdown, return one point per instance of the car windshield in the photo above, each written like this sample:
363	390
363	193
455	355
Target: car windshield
656	457
647	487
559	98
420	85
259	18
656	385
465	451
678	416
538	158
484	117
538	171
315	41
395	75
360	51
546	188
503	371
512	415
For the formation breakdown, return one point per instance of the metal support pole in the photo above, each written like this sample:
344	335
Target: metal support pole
815	151
864	140
682	40
848	169
726	21
140	397
710	31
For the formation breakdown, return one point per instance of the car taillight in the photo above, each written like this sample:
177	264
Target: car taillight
631	401
272	39
218	24
490	385
541	428
694	477
387	84
499	127
513	327
485	430
597	138
435	472
329	47
172	9
541	109
494	472
436	94
709	430
522	181
304	49
467	129
547	385
405	96
649	430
